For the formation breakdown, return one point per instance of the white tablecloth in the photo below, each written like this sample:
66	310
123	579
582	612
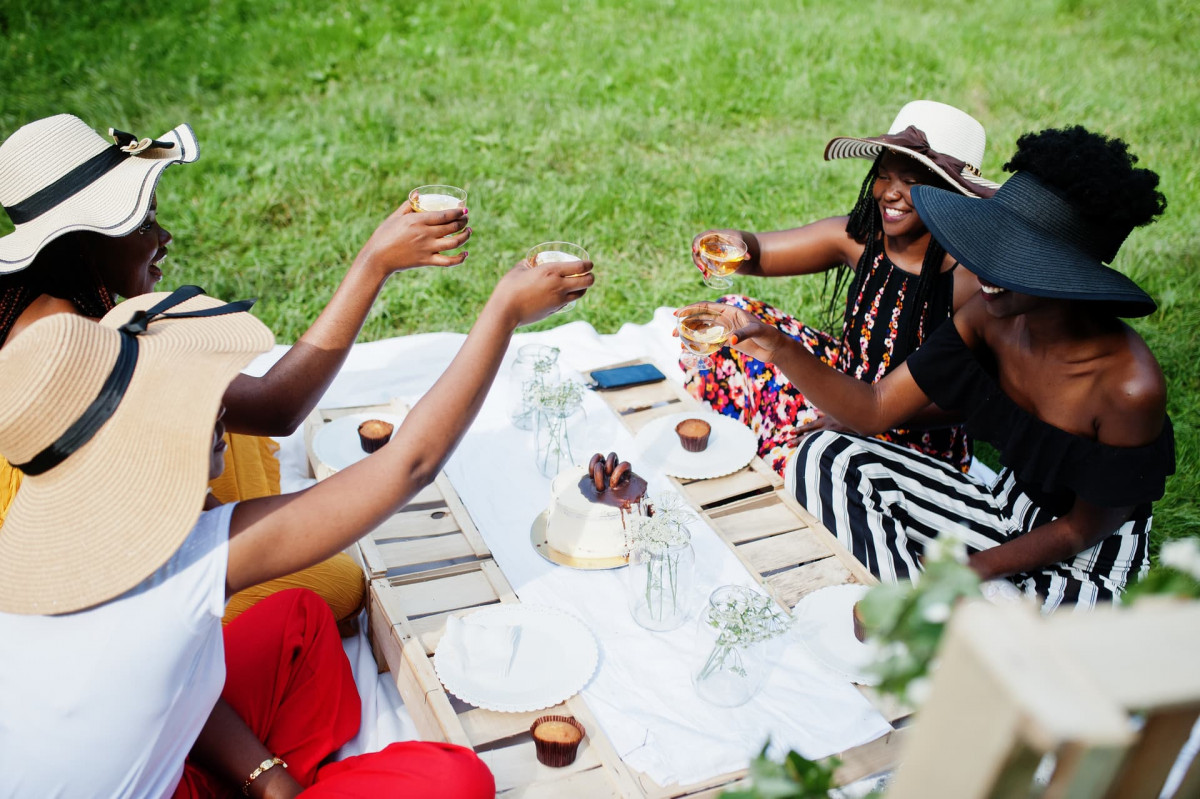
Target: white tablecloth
641	693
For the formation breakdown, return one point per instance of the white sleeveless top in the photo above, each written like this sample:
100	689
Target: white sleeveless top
108	701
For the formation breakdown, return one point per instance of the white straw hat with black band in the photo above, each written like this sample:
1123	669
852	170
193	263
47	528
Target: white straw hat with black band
58	175
112	422
1028	239
946	140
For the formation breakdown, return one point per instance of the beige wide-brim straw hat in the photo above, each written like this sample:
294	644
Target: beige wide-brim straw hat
114	510
57	175
947	130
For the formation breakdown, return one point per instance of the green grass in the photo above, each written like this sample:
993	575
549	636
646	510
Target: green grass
626	126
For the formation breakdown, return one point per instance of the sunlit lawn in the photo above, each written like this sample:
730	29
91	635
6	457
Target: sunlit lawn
626	126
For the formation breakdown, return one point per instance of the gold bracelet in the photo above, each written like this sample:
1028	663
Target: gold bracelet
264	766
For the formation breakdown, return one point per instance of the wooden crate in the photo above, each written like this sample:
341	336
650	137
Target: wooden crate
783	545
432	531
1013	686
428	561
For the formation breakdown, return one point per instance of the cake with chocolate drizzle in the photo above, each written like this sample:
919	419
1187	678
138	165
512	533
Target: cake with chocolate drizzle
590	508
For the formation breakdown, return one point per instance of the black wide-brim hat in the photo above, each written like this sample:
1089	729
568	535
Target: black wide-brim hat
1028	239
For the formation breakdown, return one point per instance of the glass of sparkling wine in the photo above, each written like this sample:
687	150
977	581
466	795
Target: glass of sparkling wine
721	255
553	252
437	198
702	333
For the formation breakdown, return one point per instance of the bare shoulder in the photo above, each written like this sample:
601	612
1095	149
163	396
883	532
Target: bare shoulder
975	325
1135	395
43	306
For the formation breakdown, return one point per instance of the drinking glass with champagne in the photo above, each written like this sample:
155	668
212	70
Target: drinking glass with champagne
702	333
437	198
554	252
721	255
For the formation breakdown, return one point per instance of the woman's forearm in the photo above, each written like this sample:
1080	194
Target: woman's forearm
1082	527
278	402
230	750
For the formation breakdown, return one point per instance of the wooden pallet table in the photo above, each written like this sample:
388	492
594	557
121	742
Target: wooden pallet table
429	561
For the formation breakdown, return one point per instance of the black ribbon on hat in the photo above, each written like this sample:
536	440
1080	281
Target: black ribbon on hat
913	139
105	405
81	176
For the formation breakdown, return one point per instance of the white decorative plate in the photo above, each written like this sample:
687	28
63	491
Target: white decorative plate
825	623
731	445
336	443
556	655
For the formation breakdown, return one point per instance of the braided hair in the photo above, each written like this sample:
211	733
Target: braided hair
866	226
56	272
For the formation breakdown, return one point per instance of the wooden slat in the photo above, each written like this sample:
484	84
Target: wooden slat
415	524
794	584
1145	770
636	421
753	518
437	596
426	550
861	573
871	758
419	687
459	511
720	489
783	551
485	726
517	765
592	784
639	397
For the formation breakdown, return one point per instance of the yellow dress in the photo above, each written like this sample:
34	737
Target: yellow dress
251	470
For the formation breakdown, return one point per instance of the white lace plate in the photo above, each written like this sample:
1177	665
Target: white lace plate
336	444
556	656
731	445
825	624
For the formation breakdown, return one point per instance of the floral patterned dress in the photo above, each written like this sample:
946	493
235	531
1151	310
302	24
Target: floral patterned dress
872	343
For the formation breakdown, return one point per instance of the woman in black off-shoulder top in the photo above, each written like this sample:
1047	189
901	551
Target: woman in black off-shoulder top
1039	364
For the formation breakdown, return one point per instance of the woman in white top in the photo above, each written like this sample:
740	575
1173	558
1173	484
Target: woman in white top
111	592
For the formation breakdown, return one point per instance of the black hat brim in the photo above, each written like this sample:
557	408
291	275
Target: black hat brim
1004	249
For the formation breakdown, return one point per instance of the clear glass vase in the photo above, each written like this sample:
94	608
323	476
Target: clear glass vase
535	364
660	584
552	446
738	638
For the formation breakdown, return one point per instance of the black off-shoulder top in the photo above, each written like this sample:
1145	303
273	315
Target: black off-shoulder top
1051	465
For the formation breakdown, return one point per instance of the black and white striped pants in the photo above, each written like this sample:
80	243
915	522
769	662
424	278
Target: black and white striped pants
886	503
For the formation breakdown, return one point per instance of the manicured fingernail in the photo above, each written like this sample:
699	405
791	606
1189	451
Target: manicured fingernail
732	340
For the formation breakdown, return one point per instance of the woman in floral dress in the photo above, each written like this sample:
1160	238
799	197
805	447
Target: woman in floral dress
902	285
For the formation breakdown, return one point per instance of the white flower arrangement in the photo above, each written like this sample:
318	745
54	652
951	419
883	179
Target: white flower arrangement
553	403
657	545
746	618
665	528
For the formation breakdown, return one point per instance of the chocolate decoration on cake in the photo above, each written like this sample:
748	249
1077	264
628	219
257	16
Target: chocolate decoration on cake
619	486
599	479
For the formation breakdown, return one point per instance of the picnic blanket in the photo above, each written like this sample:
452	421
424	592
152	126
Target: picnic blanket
641	693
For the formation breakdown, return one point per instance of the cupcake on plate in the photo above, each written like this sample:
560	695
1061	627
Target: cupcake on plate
374	433
693	434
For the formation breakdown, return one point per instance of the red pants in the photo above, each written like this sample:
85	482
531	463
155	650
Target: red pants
288	678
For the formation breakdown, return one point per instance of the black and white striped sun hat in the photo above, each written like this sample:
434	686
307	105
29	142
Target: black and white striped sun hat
948	141
58	175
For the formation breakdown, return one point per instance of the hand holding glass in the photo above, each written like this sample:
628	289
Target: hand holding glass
720	255
554	252
702	333
437	198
